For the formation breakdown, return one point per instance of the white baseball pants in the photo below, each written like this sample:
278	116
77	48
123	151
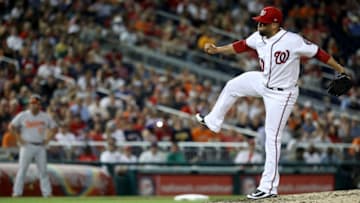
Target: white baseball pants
27	154
278	106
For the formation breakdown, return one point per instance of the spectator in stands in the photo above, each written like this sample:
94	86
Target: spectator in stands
248	155
232	136
14	41
308	127
311	76
131	133
256	123
162	130
79	107
61	90
354	150
175	155
126	169
312	155
152	155
319	135
243	120
309	110
8	140
47	68
180	132
86	80
330	156
203	134
111	104
112	131
299	155
95	109
344	128
148	136
109	156
87	155
96	132
76	125
66	138
256	108
355	128
355	100
14	106
292	146
286	137
332	132
127	155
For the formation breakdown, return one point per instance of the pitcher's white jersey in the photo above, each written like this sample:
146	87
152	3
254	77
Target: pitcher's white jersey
33	127
279	56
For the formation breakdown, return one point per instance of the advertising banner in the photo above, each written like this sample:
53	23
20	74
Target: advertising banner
292	184
163	184
174	184
79	180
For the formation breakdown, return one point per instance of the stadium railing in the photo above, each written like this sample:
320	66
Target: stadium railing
216	148
10	61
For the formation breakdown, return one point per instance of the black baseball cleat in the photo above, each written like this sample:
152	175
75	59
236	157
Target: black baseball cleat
200	119
258	194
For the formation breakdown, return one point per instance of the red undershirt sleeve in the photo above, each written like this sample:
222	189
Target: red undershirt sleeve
241	46
322	56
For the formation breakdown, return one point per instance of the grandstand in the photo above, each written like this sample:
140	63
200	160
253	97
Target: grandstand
134	71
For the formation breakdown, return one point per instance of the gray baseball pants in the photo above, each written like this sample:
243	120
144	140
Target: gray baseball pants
29	152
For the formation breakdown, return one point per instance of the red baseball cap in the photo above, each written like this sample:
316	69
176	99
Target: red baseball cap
269	14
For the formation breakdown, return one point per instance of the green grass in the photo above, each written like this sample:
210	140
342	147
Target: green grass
111	199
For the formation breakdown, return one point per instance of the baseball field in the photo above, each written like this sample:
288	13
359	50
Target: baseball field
346	196
112	199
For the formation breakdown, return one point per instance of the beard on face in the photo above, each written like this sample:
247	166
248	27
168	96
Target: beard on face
263	33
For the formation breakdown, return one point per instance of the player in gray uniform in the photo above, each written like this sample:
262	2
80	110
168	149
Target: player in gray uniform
33	129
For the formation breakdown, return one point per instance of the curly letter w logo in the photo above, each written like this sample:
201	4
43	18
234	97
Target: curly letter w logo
281	57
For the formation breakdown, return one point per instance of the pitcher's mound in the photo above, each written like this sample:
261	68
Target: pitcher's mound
340	196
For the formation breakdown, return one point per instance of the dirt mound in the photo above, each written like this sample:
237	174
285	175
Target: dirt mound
347	196
340	196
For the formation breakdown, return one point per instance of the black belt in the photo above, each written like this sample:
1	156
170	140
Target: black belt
276	88
36	143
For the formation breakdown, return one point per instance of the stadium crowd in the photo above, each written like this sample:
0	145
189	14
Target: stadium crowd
95	95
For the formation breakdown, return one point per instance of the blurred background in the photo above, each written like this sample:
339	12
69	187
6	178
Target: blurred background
123	79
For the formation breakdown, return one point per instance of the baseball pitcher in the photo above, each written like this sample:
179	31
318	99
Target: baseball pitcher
33	129
279	54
